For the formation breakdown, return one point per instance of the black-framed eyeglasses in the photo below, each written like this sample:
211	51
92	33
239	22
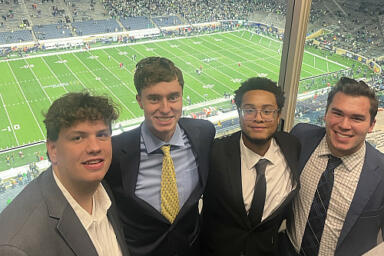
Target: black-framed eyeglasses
267	115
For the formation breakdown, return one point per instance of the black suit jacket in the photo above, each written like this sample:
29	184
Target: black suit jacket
147	232
40	222
226	229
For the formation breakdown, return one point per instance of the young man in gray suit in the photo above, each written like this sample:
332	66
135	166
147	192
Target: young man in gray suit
159	170
340	207
66	210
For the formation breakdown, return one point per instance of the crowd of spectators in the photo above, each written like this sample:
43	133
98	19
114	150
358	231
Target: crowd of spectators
357	26
194	11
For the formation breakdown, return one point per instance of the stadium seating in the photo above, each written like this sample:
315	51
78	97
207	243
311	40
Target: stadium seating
92	27
51	31
167	21
16	36
136	23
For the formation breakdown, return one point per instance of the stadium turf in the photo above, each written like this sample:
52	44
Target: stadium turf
212	64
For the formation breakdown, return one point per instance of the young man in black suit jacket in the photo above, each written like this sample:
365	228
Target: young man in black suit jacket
244	203
136	173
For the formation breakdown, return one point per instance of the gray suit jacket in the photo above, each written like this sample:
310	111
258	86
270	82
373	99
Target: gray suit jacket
366	214
40	222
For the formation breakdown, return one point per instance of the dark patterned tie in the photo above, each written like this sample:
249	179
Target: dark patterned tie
315	224
257	206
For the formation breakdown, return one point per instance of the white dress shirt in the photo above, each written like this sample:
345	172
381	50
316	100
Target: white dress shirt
96	224
277	176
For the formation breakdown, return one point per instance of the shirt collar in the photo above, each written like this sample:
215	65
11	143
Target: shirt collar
251	158
101	204
349	161
152	143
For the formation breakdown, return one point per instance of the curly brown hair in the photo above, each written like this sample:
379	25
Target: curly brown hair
78	106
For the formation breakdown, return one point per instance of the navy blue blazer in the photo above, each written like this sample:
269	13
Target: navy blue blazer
365	217
146	231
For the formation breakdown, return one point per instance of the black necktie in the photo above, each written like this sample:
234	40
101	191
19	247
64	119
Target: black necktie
257	206
315	224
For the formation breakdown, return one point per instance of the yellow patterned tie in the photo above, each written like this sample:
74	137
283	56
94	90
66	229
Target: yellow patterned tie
169	193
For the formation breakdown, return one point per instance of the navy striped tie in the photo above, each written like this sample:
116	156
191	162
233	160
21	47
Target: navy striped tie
315	224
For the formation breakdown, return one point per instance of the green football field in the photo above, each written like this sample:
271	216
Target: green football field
28	86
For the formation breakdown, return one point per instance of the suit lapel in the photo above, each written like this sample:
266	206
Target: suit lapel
193	137
369	179
73	232
129	166
289	155
233	171
69	225
130	161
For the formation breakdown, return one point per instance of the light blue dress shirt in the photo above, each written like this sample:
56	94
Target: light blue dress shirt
151	160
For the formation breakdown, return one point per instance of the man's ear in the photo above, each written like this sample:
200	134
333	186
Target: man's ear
51	149
138	98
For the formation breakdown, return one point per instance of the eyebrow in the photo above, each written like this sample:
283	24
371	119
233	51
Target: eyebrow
352	115
263	106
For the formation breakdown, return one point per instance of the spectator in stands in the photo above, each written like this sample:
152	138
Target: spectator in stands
348	173
159	170
253	177
66	210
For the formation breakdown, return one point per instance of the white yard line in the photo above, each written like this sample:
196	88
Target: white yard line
310	53
190	87
38	81
118	78
53	73
106	87
70	70
9	120
26	100
113	46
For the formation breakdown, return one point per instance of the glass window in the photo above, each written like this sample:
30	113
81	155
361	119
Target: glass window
344	38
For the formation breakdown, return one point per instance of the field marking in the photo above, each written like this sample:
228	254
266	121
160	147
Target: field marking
70	70
101	81
218	52
38	81
112	46
304	64
9	120
310	53
243	66
260	58
105	67
193	77
53	73
25	99
270	39
219	83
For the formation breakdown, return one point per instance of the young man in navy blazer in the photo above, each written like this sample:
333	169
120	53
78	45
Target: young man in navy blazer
351	222
136	171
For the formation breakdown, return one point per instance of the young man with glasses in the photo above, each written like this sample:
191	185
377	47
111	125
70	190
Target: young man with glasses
253	177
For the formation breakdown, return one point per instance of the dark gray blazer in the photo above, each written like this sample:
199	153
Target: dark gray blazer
40	221
366	214
147	232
